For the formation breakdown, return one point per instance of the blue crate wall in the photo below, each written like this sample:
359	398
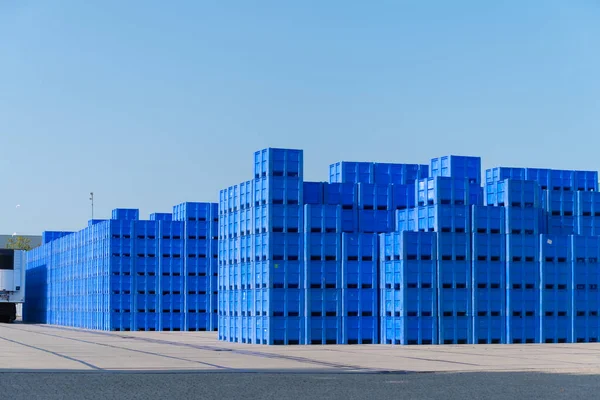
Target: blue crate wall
351	172
585	253
488	220
386	173
344	195
523	288
49	236
447	190
360	294
489	285
462	167
408	287
454	288
108	275
502	173
556	280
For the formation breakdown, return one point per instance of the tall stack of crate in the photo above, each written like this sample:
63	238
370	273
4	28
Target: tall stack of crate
261	263
488	247
585	253
408	282
120	274
523	214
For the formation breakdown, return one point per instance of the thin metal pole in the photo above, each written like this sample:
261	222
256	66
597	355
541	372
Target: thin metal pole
92	199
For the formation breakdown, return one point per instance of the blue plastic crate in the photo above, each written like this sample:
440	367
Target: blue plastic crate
522	248
375	221
586	181
455	330
278	274
351	172
411	297
559	203
279	330
125	214
454	299
587	204
161	217
409	330
146	321
453	246
278	218
514	193
406	220
557	329
280	302
323	274
360	330
374	196
562	225
146	302
323	246
324	330
197	284
385	173
408	274
489	296
324	302
528	221
172	321
246	193
278	246
359	260
501	173
360	302
171	302
489	329
191	211
540	175
278	162
322	218
588	226
463	167
278	190
488	220
408	246
444	218
403	196
343	194
446	190
586	328
313	192
487	247
197	322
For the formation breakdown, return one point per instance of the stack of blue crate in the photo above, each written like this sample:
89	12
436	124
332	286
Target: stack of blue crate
128	274
585	253
443	203
261	293
408	282
488	247
521	202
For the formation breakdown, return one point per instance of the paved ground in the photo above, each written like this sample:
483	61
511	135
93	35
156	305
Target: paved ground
54	362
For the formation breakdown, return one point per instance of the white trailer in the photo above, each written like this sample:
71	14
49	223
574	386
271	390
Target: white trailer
12	282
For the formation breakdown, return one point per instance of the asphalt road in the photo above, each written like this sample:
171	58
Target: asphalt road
290	385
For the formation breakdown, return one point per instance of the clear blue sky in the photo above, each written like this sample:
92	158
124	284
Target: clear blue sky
150	103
